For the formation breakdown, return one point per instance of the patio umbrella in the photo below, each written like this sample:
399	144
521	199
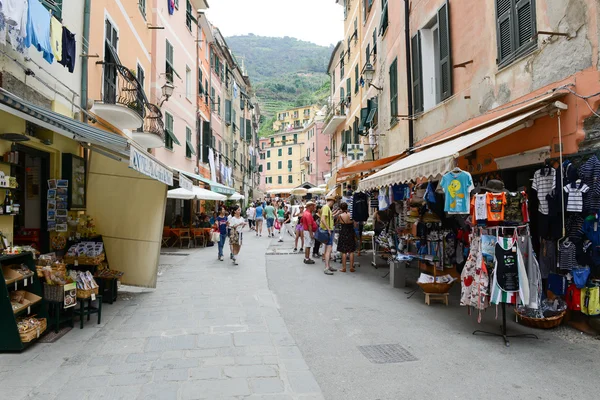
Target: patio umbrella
236	196
317	190
299	191
203	194
180	194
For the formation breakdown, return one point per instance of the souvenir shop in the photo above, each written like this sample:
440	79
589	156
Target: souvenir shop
518	232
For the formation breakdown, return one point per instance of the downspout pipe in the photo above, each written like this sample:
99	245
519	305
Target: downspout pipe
409	88
84	60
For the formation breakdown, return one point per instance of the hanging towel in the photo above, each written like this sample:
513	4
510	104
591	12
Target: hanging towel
171	6
38	29
56	37
68	56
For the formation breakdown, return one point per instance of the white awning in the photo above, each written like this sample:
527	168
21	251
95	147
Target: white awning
236	196
180	194
196	193
441	158
279	191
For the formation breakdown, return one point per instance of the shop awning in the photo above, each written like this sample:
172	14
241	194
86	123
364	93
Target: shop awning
440	158
281	191
107	143
214	186
197	193
236	196
180	194
367	166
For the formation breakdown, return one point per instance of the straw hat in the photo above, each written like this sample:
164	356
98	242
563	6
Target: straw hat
310	203
328	198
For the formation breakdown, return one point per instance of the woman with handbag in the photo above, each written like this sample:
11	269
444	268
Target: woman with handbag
347	241
325	233
236	225
221	223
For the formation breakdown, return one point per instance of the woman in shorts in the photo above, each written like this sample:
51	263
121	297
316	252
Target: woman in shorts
299	229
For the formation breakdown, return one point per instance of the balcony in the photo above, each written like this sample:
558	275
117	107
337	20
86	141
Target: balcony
336	115
152	134
305	161
123	98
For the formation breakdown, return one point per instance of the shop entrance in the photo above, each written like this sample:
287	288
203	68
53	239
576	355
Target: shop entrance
32	173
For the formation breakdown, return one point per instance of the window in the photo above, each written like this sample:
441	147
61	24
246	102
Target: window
189	15
220	147
283	140
272	142
169	66
374	44
189	147
188	82
383	24
290	165
364	10
200	88
228	112
219	105
169	133
289	151
262	156
342	65
349	87
56	7
206	91
394	92
268	166
141	76
279	152
260	168
290	179
266	179
295	138
431	64
279	164
263	145
368	53
212	99
268	153
279	180
356	78
142	7
516	29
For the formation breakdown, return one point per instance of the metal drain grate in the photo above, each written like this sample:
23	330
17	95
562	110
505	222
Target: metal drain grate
386	353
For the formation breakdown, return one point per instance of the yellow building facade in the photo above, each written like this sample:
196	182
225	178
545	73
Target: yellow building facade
280	160
294	118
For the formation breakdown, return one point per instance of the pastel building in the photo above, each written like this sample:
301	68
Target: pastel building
294	118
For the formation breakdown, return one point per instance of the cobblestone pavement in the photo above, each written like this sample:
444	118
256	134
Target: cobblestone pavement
210	330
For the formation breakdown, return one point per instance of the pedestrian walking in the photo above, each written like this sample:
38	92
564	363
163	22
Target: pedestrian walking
236	226
317	246
286	224
347	240
310	228
251	215
221	222
270	216
258	216
327	225
299	229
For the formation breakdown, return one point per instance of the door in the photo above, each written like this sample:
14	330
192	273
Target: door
110	64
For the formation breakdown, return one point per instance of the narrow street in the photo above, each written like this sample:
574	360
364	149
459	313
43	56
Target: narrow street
275	328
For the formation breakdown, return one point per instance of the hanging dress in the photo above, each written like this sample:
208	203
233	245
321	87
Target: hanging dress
510	281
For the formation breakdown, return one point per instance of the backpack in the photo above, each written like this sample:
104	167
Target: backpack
590	300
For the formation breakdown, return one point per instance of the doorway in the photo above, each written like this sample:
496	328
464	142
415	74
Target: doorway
32	173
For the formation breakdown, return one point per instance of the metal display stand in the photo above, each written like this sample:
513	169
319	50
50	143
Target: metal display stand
502	333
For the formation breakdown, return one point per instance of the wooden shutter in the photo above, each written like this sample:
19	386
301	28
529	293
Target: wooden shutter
417	73
206	140
445	53
248	130
227	111
525	20
504	26
355	139
364	113
393	72
242	128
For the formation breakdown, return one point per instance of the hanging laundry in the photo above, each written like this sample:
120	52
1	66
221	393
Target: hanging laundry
171	6
457	186
56	36
383	199
38	29
544	181
69	55
15	14
3	29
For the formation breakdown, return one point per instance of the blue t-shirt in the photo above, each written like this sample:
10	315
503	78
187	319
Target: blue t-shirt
38	29
457	187
259	212
222	222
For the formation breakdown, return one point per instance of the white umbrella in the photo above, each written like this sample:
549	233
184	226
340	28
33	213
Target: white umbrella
317	190
180	194
203	194
299	191
236	196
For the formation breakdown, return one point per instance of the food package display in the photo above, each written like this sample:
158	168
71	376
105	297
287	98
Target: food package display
83	279
27	324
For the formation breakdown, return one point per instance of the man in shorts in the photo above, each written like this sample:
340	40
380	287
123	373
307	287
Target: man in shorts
309	226
270	217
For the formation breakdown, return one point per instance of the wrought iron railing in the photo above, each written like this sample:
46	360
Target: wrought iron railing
120	86
153	121
335	110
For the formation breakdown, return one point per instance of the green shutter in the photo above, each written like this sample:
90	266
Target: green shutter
227	112
364	113
372	110
504	27
445	56
242	128
356	78
248	130
349	87
393	90
525	19
206	140
189	147
383	24
417	73
355	139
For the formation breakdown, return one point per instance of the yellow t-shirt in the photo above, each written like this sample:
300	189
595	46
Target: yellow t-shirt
326	218
56	38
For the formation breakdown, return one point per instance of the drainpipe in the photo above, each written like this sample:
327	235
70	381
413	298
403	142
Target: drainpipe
84	60
411	135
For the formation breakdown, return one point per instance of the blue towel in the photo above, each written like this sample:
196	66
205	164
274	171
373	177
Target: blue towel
38	29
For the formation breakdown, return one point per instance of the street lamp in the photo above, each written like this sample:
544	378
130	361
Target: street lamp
326	150
167	91
369	73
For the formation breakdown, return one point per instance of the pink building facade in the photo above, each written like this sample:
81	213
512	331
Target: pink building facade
318	161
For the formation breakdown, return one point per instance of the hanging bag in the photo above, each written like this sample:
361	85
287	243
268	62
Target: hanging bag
322	235
590	300
580	276
215	237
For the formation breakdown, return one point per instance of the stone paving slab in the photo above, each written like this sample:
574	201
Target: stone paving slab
210	330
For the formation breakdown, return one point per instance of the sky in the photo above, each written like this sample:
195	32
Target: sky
317	21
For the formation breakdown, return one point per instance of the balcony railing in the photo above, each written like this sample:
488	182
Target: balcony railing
153	122
122	87
335	110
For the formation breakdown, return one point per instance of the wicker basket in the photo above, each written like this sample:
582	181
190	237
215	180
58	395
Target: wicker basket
84	260
86	294
541	323
33	333
57	267
435	287
54	292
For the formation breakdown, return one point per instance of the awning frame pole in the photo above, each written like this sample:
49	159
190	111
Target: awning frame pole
560	167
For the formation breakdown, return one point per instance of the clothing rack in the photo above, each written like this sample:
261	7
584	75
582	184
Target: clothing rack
503	331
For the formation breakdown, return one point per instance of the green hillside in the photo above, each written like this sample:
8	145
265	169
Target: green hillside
285	72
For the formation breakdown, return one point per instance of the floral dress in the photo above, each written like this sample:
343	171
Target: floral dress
347	239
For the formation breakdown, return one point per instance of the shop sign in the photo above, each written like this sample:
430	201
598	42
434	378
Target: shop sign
185	183
147	166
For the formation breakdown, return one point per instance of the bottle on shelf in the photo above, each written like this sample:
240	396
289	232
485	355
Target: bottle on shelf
7	203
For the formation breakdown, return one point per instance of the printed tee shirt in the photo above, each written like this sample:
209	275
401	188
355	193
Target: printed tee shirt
495	206
575	196
513	210
222	223
480	207
457	187
544	181
270	212
326	218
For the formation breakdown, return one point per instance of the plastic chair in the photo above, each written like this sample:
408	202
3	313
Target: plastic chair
199	235
184	234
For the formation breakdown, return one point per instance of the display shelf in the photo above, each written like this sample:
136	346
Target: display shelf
10	340
11	164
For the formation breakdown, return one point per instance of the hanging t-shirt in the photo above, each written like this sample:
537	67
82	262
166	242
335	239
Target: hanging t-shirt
56	35
360	207
544	181
575	196
457	186
480	207
567	255
15	14
38	29
68	56
375	200
513	210
495	206
590	175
